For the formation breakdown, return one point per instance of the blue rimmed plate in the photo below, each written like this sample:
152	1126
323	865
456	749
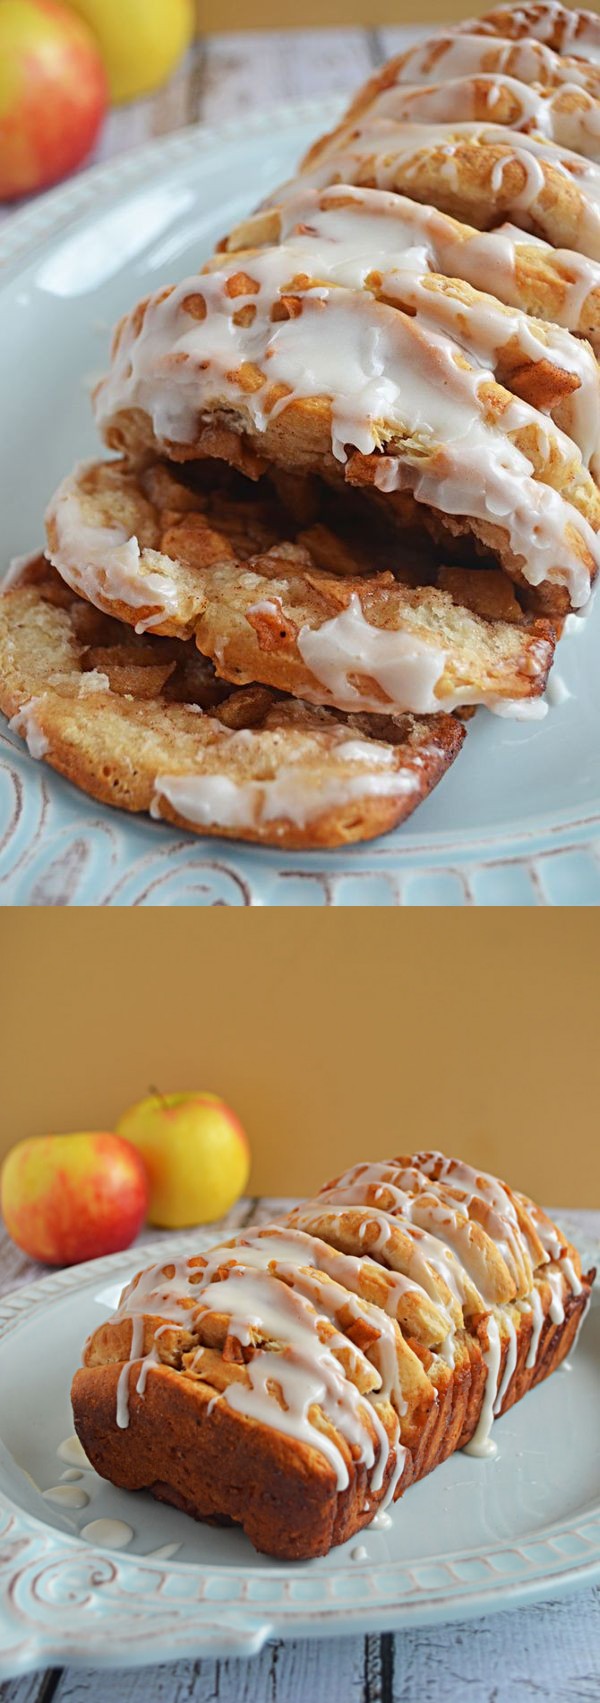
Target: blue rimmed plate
517	821
474	1537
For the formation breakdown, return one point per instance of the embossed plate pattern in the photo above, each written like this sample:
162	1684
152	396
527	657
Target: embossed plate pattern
474	1537
518	819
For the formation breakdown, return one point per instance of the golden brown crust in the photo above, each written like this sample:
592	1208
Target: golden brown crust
222	1467
217	1466
212	1385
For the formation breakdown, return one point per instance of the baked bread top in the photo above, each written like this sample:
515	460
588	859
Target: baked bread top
339	1328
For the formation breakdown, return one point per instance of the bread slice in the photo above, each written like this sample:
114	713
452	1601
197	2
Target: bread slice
327	380
143	723
301	615
477	172
568	115
461	53
302	1375
439	271
564	28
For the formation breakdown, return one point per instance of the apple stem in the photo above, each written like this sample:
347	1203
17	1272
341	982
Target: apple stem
157	1092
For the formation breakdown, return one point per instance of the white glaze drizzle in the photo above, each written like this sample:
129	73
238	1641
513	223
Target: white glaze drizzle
481	1445
463	55
567	30
297	793
430	1258
66	1496
518	1244
573	1280
111	1534
510	1362
435	241
137	1343
105	562
478	1185
255	1293
545	1230
305	1369
380	150
556	1310
535	1306
400	243
26	723
420	1200
406	667
572	123
383	374
288	1255
72	1451
583	1315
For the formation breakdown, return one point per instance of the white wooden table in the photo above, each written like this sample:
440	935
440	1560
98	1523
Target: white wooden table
550	1651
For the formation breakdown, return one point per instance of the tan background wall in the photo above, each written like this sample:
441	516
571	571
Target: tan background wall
270	14
335	1036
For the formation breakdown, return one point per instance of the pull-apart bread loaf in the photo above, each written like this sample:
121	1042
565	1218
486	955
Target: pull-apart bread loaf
302	1375
358	462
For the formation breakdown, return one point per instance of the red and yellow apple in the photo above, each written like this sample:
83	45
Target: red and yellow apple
53	94
196	1155
66	1198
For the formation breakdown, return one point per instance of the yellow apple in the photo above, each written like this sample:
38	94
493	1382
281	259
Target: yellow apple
53	94
195	1152
140	40
66	1198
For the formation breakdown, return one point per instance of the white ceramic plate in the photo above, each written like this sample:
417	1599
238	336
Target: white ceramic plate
517	821
473	1537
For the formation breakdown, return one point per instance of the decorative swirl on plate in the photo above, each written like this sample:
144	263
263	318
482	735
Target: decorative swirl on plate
187	879
57	848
